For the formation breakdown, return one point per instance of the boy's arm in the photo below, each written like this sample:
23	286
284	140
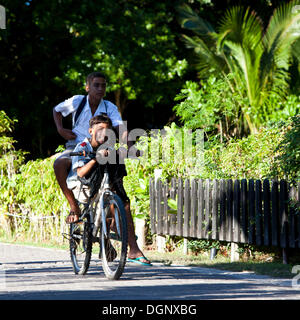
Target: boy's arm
65	133
84	170
62	110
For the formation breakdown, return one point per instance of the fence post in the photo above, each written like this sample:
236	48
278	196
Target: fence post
234	255
140	232
251	217
215	202
165	221
173	216
274	213
160	243
236	212
244	219
152	205
229	196
207	233
200	196
283	220
187	209
258	213
222	234
267	216
292	218
160	240
179	208
193	231
185	246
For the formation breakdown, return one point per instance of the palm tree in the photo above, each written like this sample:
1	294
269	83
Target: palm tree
258	59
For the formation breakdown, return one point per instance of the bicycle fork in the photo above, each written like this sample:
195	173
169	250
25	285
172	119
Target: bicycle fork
101	216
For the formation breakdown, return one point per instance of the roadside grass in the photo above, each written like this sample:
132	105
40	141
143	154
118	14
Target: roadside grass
45	244
274	268
270	268
28	242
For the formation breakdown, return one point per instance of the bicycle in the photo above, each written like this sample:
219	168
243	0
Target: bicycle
104	213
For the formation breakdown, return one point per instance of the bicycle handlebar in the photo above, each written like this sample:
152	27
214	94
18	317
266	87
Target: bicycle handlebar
82	153
88	153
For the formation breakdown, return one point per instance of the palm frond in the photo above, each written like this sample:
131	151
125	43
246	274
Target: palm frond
296	49
241	31
190	20
279	41
239	25
282	31
258	60
208	61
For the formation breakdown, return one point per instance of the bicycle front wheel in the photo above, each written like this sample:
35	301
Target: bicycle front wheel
114	239
80	246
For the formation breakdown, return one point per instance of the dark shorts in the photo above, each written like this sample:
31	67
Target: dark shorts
66	153
118	187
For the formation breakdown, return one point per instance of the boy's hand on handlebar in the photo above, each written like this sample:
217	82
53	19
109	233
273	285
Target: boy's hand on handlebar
92	155
103	153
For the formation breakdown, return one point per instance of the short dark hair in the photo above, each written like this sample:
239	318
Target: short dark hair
102	118
93	75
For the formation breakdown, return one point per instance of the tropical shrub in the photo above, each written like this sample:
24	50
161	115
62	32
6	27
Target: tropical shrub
211	106
288	151
10	160
258	59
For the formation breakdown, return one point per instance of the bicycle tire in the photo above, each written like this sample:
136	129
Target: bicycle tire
81	242
113	243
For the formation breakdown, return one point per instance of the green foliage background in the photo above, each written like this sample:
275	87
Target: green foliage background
49	47
32	192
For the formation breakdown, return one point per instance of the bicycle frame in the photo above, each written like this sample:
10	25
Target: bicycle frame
104	194
103	212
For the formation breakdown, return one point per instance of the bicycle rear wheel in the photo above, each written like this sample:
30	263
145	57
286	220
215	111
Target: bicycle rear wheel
80	246
114	241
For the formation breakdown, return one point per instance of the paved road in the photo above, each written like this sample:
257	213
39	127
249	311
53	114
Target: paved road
30	273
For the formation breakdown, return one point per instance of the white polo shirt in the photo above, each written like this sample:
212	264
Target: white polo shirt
81	128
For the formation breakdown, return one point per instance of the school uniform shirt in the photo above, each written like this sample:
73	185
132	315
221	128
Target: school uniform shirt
116	171
78	162
81	128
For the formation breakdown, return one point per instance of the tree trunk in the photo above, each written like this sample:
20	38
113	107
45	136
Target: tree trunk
120	103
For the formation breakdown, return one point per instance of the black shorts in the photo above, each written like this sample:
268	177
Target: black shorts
118	187
116	173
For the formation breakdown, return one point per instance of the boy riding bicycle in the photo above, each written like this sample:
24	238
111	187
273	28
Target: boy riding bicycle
83	167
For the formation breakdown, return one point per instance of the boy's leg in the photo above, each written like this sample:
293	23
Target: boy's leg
61	168
134	250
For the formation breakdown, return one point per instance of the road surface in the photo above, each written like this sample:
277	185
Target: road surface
31	273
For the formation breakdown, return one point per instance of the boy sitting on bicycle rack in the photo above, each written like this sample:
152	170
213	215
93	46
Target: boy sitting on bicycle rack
82	167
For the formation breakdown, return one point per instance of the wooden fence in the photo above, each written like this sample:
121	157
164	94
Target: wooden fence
246	211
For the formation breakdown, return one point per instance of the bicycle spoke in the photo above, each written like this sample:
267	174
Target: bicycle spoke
114	241
80	247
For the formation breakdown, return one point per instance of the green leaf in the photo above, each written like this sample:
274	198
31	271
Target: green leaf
172	204
171	211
